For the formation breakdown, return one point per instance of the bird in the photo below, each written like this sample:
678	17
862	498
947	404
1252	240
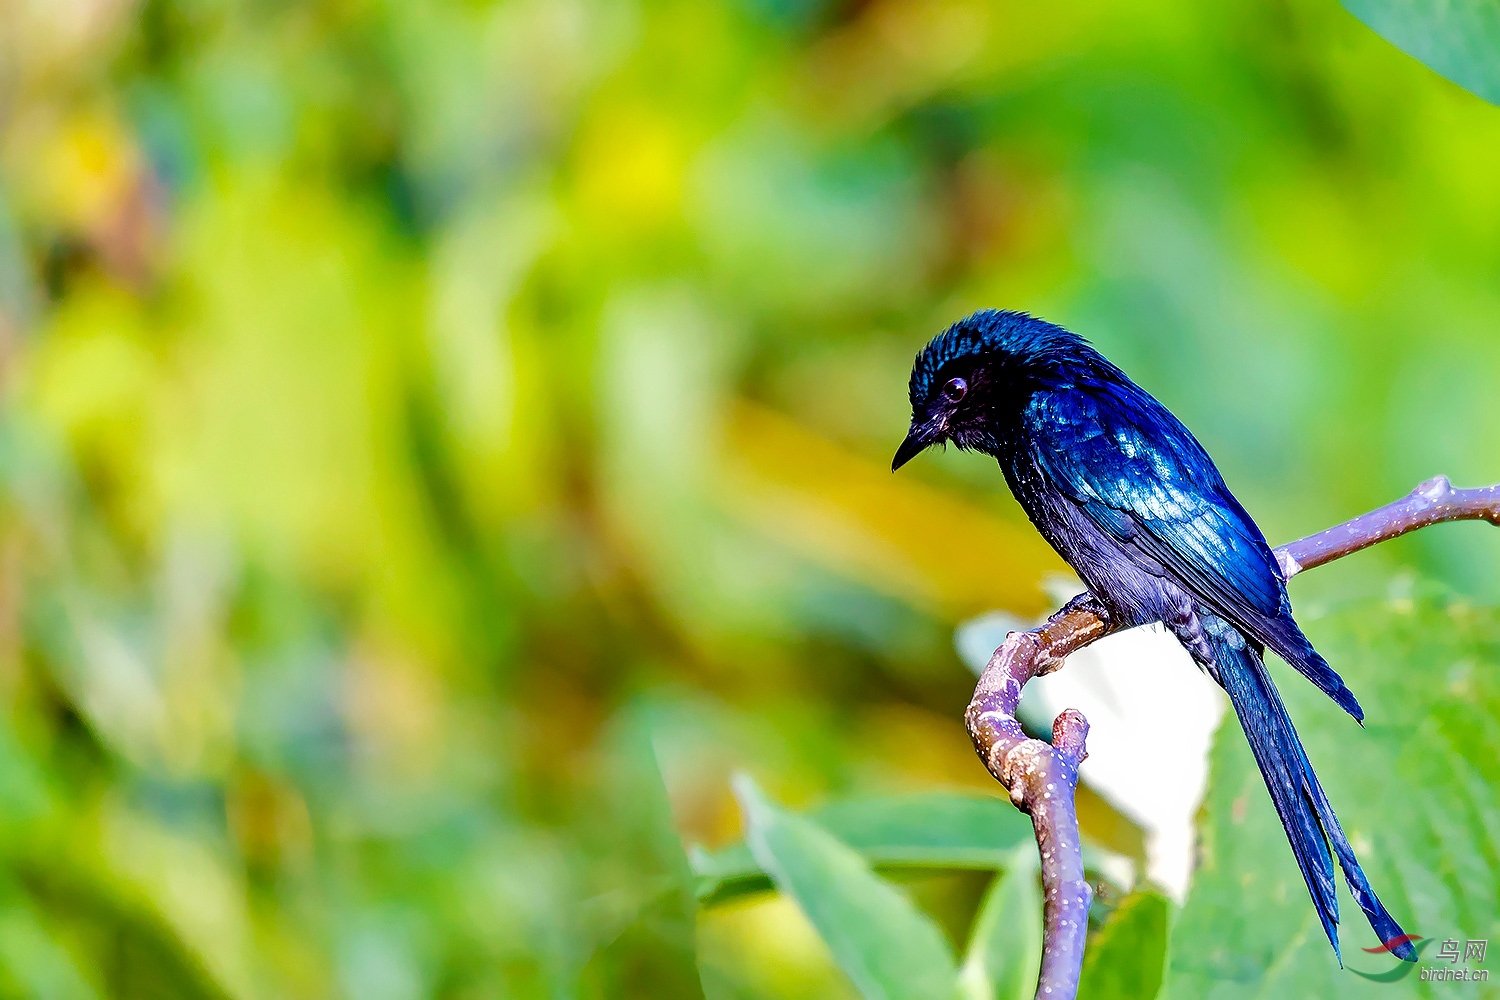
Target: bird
1129	498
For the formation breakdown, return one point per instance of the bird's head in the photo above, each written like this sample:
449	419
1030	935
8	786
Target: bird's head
974	377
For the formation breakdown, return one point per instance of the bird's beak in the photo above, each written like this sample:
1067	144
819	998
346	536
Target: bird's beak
917	439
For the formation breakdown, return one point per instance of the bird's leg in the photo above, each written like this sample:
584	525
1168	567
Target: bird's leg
1042	778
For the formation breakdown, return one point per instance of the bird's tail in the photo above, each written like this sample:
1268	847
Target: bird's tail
1303	807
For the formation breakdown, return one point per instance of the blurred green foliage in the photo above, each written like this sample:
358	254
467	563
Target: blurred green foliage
422	420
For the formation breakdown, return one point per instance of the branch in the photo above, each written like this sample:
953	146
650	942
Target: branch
1042	778
1433	502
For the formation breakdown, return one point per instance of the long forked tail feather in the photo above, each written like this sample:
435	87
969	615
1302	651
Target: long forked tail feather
1299	799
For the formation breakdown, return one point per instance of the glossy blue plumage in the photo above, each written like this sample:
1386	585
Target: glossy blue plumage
1132	501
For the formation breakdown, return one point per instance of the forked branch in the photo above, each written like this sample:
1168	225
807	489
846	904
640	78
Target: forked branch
1042	777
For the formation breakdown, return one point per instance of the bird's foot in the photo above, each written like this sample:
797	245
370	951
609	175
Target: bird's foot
1076	624
1084	603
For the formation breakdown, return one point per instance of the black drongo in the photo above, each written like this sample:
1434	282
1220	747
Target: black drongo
1126	494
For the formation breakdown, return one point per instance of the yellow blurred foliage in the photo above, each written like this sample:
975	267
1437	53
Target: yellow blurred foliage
894	533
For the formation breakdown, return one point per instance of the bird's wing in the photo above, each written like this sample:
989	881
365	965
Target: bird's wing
1143	478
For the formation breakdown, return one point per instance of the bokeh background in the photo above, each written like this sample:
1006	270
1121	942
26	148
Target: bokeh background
403	401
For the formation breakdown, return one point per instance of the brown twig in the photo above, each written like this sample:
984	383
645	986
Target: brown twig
1042	778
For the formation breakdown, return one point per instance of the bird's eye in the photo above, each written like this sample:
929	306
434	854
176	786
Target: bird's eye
955	390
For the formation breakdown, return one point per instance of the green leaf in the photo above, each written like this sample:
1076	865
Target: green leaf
933	830
644	923
1126	958
1414	791
884	944
1005	947
1459	39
